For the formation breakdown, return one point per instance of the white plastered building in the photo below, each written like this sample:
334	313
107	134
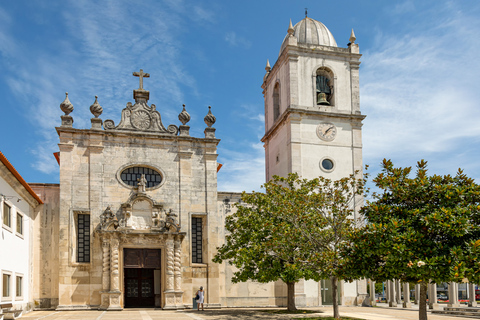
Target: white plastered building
18	205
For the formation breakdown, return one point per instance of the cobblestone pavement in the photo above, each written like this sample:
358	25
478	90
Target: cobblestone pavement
378	313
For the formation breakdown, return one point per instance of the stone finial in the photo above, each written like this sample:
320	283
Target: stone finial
290	28
184	117
352	37
95	108
267	67
66	105
210	118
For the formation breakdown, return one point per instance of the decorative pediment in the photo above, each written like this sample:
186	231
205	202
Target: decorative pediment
140	116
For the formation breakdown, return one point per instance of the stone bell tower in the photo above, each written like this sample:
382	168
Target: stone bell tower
313	122
312	105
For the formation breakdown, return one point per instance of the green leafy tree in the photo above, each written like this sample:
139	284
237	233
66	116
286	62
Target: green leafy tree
325	226
420	229
295	230
261	243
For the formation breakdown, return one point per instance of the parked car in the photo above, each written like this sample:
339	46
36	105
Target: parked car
442	296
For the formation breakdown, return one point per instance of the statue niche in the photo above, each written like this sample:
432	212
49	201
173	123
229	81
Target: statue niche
324	86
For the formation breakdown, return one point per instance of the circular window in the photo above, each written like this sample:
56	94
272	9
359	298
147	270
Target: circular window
131	175
327	164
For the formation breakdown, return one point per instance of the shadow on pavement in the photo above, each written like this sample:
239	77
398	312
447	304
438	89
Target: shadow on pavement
249	314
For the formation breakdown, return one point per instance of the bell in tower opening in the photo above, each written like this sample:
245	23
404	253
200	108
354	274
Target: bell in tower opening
323	90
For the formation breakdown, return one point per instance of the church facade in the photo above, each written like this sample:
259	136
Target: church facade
136	218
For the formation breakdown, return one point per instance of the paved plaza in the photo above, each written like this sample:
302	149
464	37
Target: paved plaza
376	313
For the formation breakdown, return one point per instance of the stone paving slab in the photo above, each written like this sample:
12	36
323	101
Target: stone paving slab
378	313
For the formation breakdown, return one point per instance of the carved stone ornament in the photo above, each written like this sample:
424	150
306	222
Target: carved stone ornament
108	220
209	118
171	223
66	106
140	116
184	117
96	109
141	212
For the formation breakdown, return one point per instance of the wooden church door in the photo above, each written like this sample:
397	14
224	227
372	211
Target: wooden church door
139	277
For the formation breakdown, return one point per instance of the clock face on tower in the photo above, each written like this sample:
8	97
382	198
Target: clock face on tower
326	131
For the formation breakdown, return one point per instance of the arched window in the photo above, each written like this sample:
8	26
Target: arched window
276	101
324	87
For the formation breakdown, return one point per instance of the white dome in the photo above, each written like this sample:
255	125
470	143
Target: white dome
310	31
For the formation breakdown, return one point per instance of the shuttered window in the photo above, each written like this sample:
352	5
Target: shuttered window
83	238
197	238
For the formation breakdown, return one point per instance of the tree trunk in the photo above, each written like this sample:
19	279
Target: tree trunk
422	312
336	314
291	296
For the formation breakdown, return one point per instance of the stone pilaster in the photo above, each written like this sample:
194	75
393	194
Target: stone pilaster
355	86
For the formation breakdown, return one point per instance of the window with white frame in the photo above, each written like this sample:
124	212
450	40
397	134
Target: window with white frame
7	215
19	286
19	223
6	285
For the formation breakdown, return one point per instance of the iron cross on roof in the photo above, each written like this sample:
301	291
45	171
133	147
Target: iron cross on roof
141	75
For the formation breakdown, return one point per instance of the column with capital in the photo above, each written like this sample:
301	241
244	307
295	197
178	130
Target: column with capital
170	274
106	265
114	272
178	272
115	292
105	296
177	263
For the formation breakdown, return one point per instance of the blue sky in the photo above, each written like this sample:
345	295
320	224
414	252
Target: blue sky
419	74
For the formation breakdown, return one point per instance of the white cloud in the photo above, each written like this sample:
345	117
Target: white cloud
202	14
420	93
101	45
243	169
404	7
237	41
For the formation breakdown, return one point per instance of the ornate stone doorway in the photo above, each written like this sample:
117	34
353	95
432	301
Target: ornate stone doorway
139	288
142	277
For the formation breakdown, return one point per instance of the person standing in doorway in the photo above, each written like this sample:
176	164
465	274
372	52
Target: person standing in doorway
201	296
